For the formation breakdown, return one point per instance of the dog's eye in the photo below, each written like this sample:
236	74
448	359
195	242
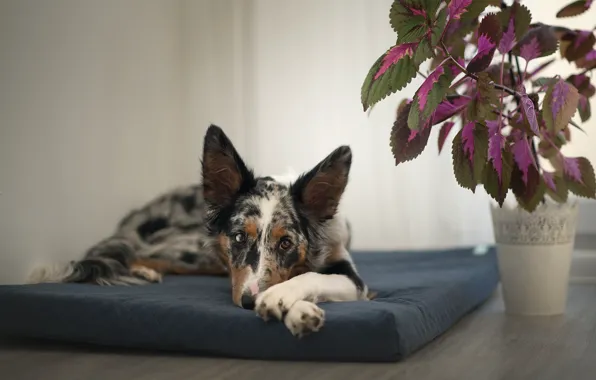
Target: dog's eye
285	244
240	238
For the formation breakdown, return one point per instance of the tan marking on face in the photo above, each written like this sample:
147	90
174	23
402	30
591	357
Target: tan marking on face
239	277
277	232
250	227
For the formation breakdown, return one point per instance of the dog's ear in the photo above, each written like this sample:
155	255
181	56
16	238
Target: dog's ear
224	173
319	191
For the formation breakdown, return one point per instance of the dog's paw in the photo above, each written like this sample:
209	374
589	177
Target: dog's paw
146	274
303	318
276	301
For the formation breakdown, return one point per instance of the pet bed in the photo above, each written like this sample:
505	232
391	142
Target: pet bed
420	296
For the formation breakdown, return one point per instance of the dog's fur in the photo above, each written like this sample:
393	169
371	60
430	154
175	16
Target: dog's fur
283	244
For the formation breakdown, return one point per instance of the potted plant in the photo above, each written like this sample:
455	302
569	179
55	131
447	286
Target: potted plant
506	122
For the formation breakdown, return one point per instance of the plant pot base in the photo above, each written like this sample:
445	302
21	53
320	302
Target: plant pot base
535	279
534	256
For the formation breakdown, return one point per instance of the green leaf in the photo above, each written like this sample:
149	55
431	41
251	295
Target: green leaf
468	166
438	27
531	194
393	78
485	101
559	105
586	185
584	109
496	188
428	96
407	20
477	7
544	81
522	19
422	53
576	8
405	143
561	192
539	41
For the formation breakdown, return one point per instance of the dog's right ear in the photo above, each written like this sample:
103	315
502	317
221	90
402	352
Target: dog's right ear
224	173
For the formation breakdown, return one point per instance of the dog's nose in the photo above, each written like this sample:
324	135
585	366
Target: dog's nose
247	301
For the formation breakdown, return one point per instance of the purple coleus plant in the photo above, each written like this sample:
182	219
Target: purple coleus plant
508	120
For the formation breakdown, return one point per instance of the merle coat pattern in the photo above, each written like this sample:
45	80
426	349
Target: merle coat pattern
282	244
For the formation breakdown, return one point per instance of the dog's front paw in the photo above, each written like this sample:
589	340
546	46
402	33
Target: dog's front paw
304	317
277	300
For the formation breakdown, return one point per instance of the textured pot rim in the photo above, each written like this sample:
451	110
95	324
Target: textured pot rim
549	207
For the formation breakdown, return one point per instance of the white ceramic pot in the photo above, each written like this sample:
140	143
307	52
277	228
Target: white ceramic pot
534	256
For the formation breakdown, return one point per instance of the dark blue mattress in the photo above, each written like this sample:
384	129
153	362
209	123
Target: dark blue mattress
420	296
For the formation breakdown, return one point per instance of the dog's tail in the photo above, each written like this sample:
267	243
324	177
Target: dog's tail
106	263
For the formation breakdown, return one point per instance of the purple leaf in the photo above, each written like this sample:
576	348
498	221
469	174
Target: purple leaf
523	157
484	55
529	111
449	107
508	40
571	169
413	135
582	36
493	127
427	85
444	132
467	139
394	55
495	146
457	8
531	50
560	92
550	180
591	55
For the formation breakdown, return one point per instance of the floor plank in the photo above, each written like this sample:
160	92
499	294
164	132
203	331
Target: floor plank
487	345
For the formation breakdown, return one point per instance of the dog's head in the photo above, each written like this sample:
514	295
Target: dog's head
264	229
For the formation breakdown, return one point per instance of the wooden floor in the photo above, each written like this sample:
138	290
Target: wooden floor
486	345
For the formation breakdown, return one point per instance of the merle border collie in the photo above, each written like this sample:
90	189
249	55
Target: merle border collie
283	244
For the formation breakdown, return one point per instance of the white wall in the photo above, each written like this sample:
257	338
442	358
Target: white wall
104	104
90	121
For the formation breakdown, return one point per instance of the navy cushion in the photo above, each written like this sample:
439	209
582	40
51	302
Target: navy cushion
420	296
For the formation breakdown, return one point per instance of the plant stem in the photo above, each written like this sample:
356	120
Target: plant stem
514	93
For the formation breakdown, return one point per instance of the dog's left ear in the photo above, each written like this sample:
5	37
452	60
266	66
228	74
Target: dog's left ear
319	191
224	173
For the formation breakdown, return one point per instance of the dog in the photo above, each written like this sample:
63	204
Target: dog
281	241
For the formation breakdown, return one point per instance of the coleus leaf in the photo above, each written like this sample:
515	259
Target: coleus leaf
410	19
528	110
457	8
406	144
450	107
485	99
390	73
574	9
476	7
544	81
588	61
579	175
583	108
583	85
555	187
522	155
497	174
559	105
521	17
489	35
539	41
528	192
508	39
444	133
469	152
429	95
576	44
